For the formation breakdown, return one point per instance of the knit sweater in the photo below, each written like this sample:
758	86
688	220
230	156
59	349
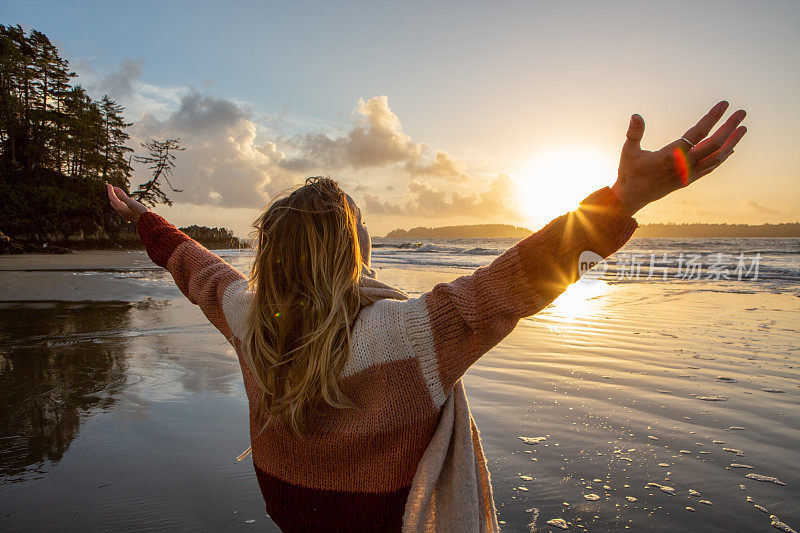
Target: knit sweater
353	469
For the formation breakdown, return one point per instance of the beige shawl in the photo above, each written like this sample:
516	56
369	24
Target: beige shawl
451	490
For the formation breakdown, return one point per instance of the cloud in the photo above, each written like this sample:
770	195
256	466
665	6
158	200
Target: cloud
377	139
427	200
125	85
686	202
758	208
232	159
204	114
442	166
223	164
235	158
120	84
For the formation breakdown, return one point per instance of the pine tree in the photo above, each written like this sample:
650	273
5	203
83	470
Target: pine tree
53	81
15	53
116	168
57	145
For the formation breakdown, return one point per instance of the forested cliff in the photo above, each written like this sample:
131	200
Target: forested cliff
58	148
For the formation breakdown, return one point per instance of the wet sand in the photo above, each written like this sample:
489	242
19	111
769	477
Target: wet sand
97	276
124	409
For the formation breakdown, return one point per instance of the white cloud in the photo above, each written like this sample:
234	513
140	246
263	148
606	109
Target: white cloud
429	201
235	159
223	164
443	166
377	139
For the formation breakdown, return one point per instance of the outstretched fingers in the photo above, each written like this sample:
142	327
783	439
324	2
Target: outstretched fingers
127	200
116	203
699	131
710	163
710	145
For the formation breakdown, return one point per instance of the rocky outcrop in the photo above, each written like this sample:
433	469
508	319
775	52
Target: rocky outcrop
9	246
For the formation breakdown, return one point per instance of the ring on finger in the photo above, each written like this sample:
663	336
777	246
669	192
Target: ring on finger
690	143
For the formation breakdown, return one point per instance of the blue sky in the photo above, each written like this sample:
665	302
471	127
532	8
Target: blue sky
527	101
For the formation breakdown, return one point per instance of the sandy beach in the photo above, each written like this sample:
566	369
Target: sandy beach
624	405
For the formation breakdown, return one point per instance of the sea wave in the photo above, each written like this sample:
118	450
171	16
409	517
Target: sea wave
778	259
426	247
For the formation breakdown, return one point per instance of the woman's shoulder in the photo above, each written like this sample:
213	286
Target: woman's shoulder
378	336
235	303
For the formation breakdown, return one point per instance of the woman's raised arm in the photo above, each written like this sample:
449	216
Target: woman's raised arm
463	319
201	275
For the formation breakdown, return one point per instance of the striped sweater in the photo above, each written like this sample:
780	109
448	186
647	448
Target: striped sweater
354	468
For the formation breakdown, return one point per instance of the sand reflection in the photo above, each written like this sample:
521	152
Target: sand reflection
581	299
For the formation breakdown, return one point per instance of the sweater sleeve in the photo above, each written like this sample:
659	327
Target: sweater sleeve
201	275
473	313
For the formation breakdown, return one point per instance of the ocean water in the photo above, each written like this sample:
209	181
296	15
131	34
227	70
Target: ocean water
642	398
767	264
730	264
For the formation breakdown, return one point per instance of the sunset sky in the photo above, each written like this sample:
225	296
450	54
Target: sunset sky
453	113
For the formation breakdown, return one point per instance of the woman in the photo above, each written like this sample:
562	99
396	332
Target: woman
358	419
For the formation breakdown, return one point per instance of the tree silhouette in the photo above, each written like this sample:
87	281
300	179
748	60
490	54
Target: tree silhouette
57	145
160	161
115	167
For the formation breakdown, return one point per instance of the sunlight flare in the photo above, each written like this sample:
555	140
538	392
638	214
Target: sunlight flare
556	180
581	299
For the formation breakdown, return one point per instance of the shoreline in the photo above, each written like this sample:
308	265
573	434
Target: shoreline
58	247
86	275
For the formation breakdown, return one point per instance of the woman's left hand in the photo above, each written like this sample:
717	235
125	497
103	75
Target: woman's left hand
127	207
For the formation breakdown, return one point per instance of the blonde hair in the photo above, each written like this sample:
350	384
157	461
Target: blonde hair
305	285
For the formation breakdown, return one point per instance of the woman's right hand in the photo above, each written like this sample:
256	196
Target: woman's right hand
127	207
646	176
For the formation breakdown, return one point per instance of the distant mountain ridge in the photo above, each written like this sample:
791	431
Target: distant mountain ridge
499	231
788	229
475	231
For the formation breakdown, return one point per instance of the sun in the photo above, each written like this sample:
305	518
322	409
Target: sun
555	180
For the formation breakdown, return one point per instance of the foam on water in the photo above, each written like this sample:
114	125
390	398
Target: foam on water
532	440
558	522
766	479
777	524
